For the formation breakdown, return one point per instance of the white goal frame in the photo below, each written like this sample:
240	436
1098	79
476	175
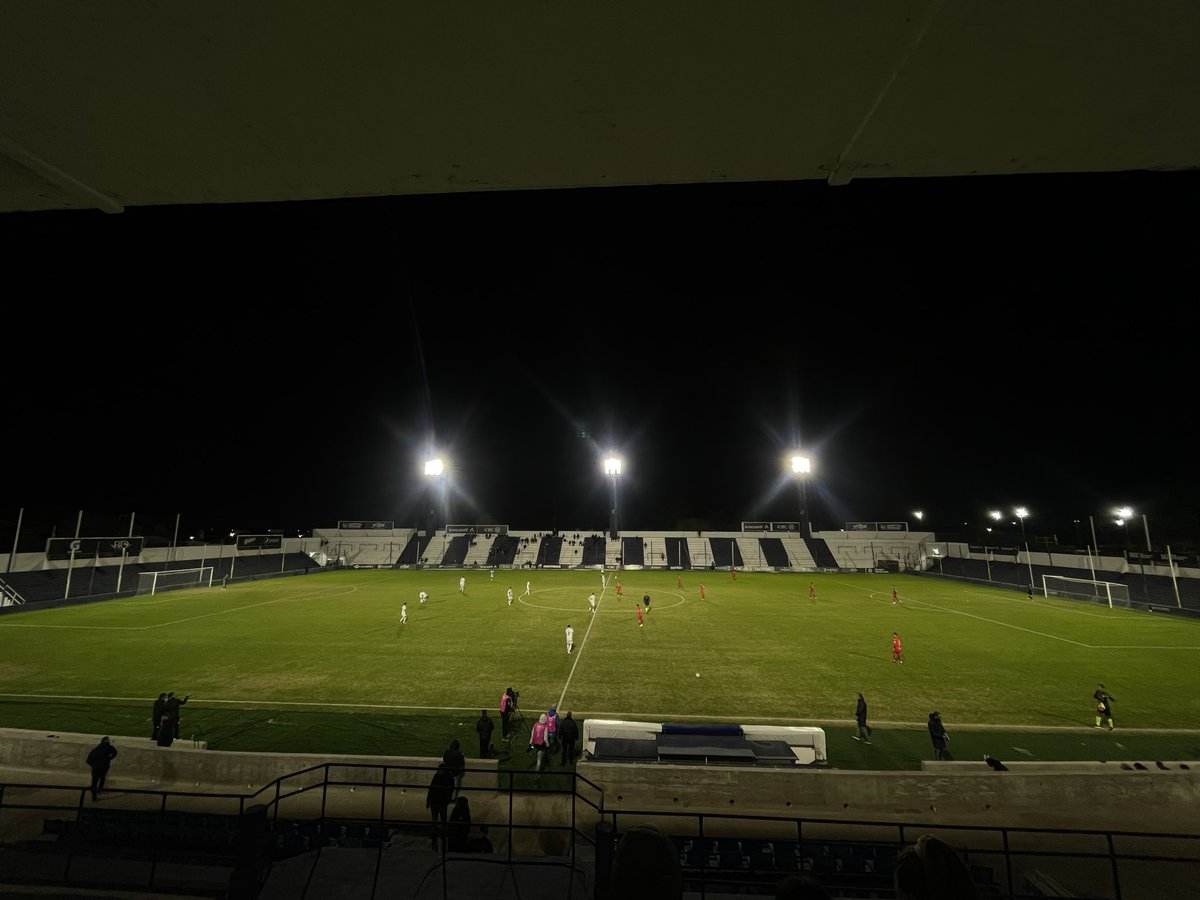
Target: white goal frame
1112	593
171	579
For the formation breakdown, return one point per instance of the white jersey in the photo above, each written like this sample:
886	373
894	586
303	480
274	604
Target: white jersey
462	584
403	612
510	596
422	596
527	587
570	638
592	601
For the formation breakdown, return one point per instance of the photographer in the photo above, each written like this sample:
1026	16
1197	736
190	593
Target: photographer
508	702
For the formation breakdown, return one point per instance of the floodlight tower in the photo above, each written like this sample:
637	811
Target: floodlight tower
1021	512
612	468
1124	514
434	471
801	467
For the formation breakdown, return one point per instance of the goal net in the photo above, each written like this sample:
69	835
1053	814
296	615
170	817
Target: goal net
172	579
1111	593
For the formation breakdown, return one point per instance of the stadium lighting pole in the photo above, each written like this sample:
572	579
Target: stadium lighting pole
612	468
801	466
1021	512
434	470
1124	514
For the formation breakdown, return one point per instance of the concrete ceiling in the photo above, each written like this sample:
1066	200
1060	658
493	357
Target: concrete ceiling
147	102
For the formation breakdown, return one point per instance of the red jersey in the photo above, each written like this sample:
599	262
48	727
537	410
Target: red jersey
701	592
639	609
895	645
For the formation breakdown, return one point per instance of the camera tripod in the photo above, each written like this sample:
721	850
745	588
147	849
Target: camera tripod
516	722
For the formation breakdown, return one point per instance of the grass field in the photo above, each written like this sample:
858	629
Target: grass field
321	663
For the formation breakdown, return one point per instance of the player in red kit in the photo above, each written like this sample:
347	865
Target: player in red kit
701	592
812	591
679	582
897	650
619	594
640	622
895	597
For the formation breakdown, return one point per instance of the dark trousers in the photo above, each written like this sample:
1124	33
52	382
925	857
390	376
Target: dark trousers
437	813
485	744
98	777
504	717
568	750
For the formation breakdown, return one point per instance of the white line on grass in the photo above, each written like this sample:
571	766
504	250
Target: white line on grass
591	622
221	612
927	604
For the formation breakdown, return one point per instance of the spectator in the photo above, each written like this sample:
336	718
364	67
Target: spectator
484	728
937	734
458	830
456	762
172	709
441	792
568	734
646	865
863	732
100	759
930	869
157	714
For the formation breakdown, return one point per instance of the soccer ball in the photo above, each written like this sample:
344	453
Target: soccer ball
697	674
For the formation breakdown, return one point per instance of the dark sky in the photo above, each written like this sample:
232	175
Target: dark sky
950	345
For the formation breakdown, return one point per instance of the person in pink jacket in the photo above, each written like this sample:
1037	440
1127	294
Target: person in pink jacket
551	726
537	740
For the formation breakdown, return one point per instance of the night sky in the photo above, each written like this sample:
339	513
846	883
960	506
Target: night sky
952	345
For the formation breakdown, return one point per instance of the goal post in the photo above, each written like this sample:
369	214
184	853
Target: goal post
173	579
1112	593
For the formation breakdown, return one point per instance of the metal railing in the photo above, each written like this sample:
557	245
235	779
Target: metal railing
383	795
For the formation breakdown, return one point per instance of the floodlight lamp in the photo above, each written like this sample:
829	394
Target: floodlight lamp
1120	521
996	514
937	551
919	515
1124	512
1021	512
434	467
801	465
612	465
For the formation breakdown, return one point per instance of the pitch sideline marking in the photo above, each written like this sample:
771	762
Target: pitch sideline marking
350	590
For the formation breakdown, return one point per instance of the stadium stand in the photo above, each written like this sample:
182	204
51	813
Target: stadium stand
549	552
594	551
633	551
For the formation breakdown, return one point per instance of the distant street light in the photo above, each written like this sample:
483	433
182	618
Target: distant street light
612	468
801	467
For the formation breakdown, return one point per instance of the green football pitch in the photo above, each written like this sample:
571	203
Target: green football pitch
322	664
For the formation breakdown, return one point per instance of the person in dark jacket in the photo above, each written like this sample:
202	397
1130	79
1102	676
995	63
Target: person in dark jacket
100	759
484	727
456	762
937	734
860	716
156	715
458	831
172	709
441	792
568	734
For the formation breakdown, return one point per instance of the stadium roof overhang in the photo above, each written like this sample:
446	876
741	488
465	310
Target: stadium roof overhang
146	103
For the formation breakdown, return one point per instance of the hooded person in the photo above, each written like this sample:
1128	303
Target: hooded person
456	762
538	739
551	726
